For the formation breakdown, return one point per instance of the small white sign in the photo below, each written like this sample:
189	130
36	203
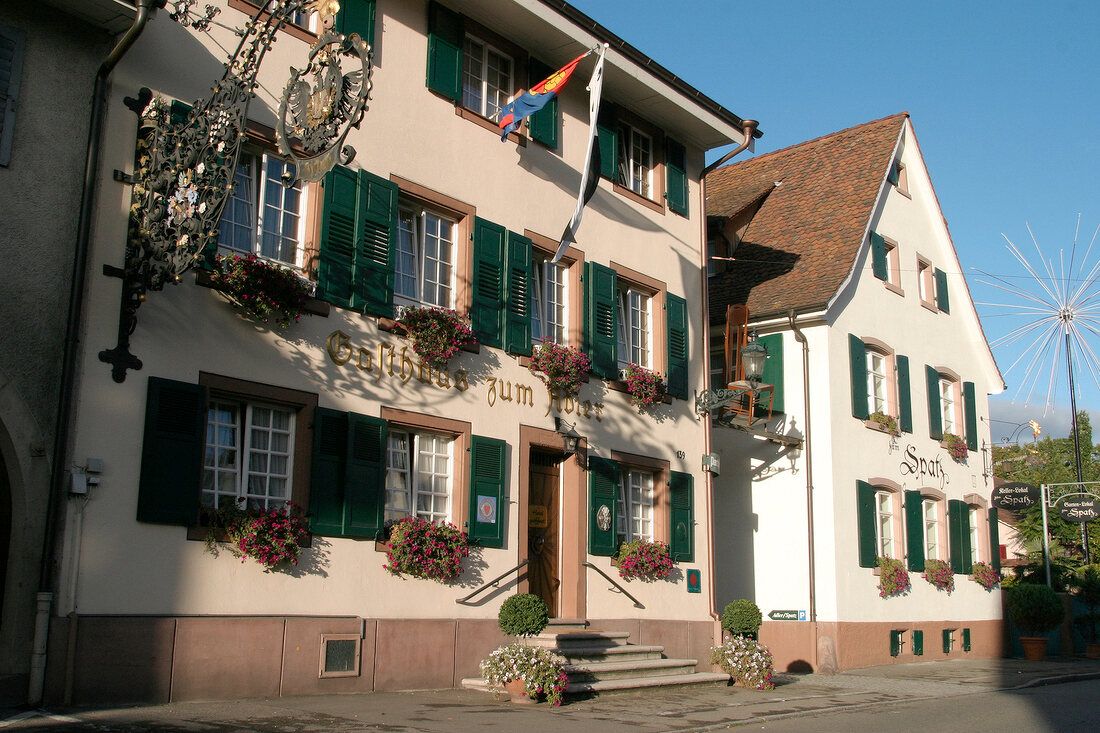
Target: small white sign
487	509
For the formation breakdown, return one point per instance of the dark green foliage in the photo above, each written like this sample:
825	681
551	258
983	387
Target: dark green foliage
1086	586
1035	609
524	614
742	617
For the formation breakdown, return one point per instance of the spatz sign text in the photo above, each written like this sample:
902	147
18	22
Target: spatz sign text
923	468
383	360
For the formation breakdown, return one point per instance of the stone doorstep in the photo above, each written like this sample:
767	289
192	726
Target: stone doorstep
554	640
635	683
599	671
580	654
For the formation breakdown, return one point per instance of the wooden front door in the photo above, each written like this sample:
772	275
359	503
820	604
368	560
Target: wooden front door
542	528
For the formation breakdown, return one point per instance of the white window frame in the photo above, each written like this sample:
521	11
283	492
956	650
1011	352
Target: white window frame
948	402
878	381
550	305
975	545
635	505
930	520
884	523
489	98
417	228
419	481
232	458
635	335
250	194
636	155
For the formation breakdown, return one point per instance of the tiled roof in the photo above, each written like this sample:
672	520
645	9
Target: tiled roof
801	244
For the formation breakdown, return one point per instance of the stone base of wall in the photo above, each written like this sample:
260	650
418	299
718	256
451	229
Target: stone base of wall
828	647
142	659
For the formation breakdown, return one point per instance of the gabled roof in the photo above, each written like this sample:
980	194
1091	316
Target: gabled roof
802	243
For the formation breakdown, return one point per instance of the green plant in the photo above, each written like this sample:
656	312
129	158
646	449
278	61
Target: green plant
742	618
261	289
542	671
646	388
1035	609
422	549
939	574
1086	586
986	575
562	368
644	560
524	614
270	537
437	333
889	422
956	447
746	660
893	578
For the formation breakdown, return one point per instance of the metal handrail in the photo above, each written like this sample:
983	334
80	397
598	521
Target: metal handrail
609	579
491	584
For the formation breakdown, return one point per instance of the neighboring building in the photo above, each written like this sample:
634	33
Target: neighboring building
145	613
843	259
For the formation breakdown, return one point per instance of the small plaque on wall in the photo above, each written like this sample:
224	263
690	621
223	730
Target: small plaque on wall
695	581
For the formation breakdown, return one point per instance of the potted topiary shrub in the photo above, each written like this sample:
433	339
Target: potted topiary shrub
1036	610
524	671
1086	586
524	614
742	618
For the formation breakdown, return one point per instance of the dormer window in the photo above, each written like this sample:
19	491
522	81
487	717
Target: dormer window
898	177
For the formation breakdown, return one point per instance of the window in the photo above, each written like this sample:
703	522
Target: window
486	78
263	217
635	506
248	455
973	516
893	265
930	512
925	284
549	307
878	381
884	523
899	178
418	475
298	17
424	269
947	405
634	328
635	160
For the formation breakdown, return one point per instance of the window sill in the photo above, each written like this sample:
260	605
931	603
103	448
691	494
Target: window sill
930	306
525	361
250	9
488	124
389	325
637	197
904	192
199	533
879	427
894	288
313	306
619	386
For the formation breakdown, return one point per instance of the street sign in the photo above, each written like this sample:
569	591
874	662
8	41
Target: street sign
1079	509
1017	496
783	615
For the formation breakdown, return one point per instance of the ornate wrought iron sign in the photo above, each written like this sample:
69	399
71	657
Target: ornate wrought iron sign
185	169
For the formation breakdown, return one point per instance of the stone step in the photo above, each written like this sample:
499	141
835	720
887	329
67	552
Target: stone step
628	684
626	669
565	639
620	652
567	624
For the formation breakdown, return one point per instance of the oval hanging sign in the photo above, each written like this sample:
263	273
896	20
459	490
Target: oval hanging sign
1016	496
1079	508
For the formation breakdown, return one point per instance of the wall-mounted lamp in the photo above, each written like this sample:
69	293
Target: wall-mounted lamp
570	438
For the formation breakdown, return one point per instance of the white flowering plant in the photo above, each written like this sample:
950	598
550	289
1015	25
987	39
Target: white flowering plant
542	671
747	661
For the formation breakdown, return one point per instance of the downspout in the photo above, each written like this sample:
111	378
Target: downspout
808	450
749	129
44	597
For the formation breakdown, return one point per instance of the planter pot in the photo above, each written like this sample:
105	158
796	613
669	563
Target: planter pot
515	693
1092	650
1035	648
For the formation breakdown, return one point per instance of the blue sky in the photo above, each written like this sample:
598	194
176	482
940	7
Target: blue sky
1004	97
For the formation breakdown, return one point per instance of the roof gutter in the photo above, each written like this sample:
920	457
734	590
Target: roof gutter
749	128
145	10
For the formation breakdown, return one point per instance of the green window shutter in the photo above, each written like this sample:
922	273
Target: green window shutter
878	257
935	419
966	640
603	491
943	300
682	516
958	520
517	328
773	369
336	263
542	125
947	641
357	16
676	181
376	249
445	38
365	476
601	286
488	471
994	540
914	530
488	311
918	642
12	44
892	176
895	642
676	329
971	416
607	138
171	452
857	352
905	398
865	516
326	485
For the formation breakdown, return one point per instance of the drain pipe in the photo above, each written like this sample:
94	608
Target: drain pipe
808	450
750	131
44	597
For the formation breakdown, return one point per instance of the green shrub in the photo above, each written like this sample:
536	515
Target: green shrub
1035	609
524	614
742	618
